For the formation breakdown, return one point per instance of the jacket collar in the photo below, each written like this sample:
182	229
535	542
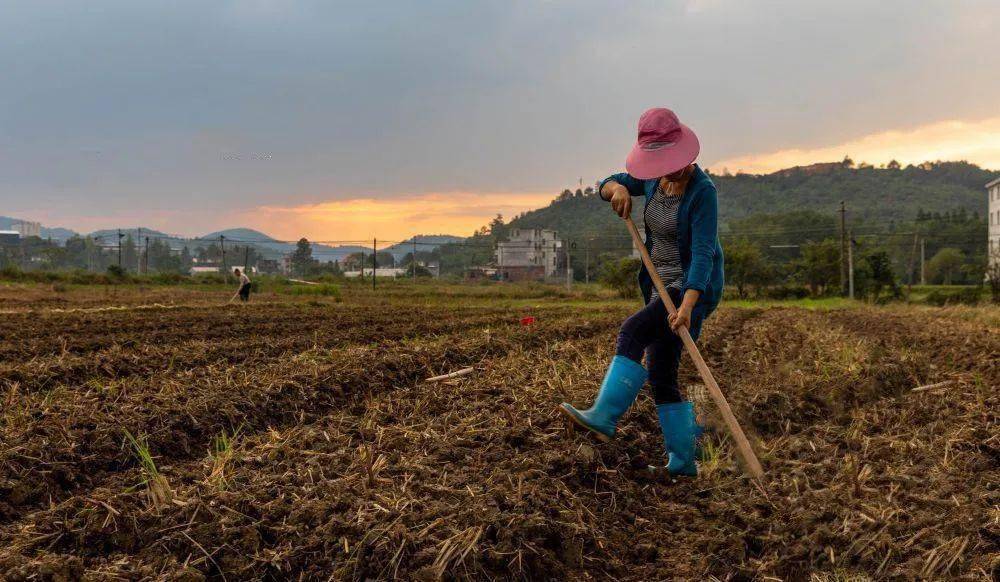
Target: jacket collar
696	177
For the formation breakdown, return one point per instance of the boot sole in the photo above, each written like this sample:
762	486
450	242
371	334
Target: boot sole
577	422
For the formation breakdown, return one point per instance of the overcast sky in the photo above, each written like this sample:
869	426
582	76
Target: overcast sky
340	120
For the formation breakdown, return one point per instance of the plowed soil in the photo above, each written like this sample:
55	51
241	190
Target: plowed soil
340	462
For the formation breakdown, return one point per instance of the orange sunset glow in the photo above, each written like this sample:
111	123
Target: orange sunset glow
462	213
396	218
973	141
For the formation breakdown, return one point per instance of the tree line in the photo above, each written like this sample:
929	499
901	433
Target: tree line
153	255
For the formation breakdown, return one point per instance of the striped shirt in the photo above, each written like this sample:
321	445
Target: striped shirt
661	219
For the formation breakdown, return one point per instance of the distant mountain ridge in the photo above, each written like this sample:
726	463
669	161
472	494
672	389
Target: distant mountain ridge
110	234
873	195
268	245
424	243
57	234
321	252
241	234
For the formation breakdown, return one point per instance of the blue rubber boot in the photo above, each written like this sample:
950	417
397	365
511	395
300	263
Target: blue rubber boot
680	435
621	385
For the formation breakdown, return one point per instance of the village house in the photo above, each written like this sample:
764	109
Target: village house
530	254
10	237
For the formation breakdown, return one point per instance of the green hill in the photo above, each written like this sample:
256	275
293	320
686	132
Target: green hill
872	195
425	243
241	234
945	202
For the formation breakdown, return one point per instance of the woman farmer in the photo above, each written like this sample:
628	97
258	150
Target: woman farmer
681	219
245	284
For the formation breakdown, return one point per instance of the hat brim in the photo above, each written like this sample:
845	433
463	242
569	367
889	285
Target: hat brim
647	164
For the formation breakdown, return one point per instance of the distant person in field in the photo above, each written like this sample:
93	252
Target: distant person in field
245	285
680	210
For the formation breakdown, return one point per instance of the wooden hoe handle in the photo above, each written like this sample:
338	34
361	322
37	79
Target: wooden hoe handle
742	444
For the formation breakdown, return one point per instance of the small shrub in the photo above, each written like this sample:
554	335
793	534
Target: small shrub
116	272
11	273
168	278
329	278
786	292
937	297
620	276
965	296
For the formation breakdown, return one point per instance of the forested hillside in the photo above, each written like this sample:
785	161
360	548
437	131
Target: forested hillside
872	195
944	204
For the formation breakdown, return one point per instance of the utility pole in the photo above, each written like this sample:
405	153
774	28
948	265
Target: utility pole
843	247
374	261
913	256
850	266
138	257
246	258
569	268
923	264
413	260
120	235
146	257
586	268
222	245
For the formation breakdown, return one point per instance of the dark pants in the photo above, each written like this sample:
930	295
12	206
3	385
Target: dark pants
648	330
245	292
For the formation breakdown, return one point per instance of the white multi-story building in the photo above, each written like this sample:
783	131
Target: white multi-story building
534	250
28	228
993	192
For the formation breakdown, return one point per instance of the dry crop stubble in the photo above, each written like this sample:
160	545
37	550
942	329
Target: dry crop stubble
74	430
349	465
287	393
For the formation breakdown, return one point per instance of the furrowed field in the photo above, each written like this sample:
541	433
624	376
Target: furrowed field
159	433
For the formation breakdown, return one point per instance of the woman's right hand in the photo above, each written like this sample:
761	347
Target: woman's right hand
621	201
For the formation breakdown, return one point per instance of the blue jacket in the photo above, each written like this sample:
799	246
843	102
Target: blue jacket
697	235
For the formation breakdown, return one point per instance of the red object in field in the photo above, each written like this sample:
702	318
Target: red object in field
526	321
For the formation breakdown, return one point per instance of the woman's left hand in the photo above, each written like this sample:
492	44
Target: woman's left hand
680	319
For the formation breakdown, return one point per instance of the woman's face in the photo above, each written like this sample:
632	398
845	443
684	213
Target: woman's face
677	175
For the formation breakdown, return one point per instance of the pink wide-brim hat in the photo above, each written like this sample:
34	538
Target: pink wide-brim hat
665	145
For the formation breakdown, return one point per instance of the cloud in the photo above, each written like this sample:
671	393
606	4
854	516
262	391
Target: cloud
217	108
396	218
973	141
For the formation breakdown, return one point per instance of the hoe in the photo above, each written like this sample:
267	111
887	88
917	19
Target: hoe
749	458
